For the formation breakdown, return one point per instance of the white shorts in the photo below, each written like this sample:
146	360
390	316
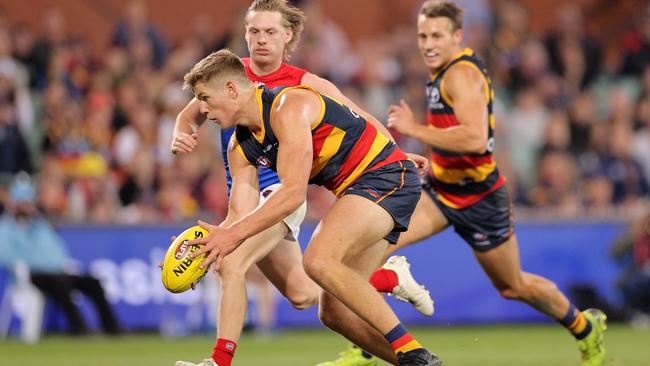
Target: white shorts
292	221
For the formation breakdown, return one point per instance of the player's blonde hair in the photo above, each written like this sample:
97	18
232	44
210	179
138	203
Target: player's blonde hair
447	9
292	18
220	63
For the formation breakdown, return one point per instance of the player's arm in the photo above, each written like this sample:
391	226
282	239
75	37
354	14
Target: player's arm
291	122
467	88
245	190
187	123
326	87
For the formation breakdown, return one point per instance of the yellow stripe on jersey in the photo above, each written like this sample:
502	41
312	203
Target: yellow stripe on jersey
260	104
464	52
237	146
378	144
446	202
330	148
452	176
448	100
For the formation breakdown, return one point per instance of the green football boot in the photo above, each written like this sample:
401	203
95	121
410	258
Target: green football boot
591	347
353	356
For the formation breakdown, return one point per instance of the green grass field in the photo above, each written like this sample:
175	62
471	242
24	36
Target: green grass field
538	345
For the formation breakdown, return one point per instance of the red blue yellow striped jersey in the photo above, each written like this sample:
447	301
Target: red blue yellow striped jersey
344	144
460	179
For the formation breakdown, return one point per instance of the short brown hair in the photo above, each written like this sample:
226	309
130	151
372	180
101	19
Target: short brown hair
292	18
215	64
447	9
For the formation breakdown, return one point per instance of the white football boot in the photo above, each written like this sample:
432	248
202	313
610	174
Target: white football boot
206	362
408	290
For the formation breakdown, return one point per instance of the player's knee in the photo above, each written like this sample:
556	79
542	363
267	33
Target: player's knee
329	317
302	301
509	293
514	291
231	271
315	266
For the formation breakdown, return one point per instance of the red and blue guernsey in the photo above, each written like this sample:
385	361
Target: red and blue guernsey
344	144
286	75
460	179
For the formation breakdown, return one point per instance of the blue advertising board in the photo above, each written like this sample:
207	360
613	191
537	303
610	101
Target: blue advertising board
125	259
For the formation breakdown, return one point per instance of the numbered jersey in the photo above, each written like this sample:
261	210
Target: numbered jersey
286	75
460	180
344	144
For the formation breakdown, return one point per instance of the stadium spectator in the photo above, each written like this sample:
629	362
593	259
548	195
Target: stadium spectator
14	152
573	55
67	94
29	238
136	32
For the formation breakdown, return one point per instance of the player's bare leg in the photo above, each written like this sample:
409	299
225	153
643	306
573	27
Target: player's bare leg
502	265
336	316
232	279
394	277
427	220
341	255
263	300
233	299
283	267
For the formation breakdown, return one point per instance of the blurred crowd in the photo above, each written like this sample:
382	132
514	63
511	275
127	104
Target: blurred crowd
573	115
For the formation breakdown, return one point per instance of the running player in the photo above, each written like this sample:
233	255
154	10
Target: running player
466	189
272	32
306	138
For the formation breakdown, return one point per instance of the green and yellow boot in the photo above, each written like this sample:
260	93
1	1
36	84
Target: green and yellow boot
353	356
591	347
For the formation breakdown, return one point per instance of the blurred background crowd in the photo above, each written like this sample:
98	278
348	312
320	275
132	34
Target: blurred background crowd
93	128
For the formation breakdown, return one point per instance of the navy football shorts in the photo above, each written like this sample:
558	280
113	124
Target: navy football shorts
483	225
396	188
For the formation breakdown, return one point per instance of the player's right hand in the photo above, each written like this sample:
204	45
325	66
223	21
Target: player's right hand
184	142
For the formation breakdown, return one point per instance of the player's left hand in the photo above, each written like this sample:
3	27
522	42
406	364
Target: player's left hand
401	118
421	163
218	243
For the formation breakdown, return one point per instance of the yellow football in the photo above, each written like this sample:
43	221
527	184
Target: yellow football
180	272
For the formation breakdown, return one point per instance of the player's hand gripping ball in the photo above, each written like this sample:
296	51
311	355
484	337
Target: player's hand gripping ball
179	271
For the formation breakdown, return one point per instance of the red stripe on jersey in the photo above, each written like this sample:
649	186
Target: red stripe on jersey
467	200
355	156
320	136
396	155
458	162
441	120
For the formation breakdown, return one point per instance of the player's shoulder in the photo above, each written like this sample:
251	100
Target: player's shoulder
463	72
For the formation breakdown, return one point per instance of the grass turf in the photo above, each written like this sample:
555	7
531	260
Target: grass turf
533	345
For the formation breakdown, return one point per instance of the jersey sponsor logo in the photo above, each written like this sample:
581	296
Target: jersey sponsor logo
263	161
490	144
433	98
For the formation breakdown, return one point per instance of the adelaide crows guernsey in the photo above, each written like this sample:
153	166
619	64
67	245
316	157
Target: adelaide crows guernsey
460	179
286	75
344	144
